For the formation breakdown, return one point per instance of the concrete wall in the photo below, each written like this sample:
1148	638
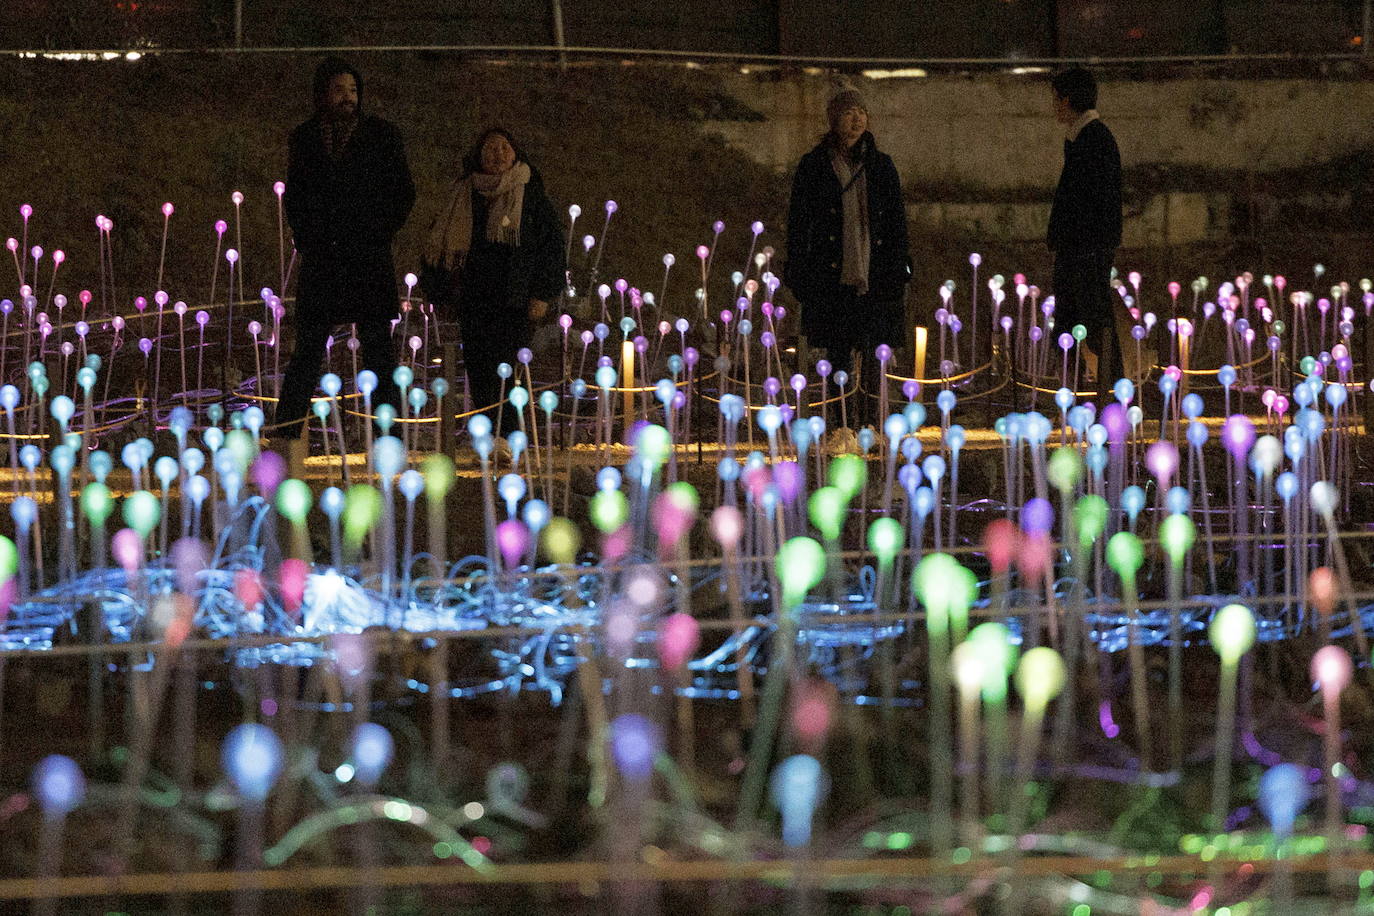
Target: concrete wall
972	138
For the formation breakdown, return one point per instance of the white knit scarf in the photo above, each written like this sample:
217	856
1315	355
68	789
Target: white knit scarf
854	204
450	236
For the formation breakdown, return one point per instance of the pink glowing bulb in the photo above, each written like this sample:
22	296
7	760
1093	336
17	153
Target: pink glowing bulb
12	243
117	322
293	572
160	298
221	227
232	256
813	710
248	587
726	316
1174	288
587	338
59	256
140	303
678	637
1162	460
1321	587
236	197
25	211
1036	555
84	297
727	526
168	209
279	188
180	308
565	321
513	539
127	548
254	328
1332	669
36	251
415	343
703	252
1000	541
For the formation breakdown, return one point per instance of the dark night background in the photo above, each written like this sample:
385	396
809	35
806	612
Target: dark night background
870	28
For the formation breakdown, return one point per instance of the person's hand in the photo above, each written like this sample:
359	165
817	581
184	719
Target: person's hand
538	309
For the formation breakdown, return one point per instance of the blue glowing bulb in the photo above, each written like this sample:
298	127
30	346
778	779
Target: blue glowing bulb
252	759
798	786
372	750
59	785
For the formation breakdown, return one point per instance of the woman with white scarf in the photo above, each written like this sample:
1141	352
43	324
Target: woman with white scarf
848	256
494	259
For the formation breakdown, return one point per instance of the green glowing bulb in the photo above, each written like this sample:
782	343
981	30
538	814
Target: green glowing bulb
945	588
826	507
561	540
849	473
9	559
684	496
1232	632
1278	327
1065	468
1040	676
969	667
800	565
1079	332
1124	554
293	500
653	445
1090	518
362	508
1177	533
142	511
994	641
885	539
242	446
438	471
96	502
1306	365
609	509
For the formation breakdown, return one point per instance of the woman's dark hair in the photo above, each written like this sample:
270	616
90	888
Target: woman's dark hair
472	161
1078	86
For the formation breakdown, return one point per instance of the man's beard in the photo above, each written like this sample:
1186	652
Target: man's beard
343	111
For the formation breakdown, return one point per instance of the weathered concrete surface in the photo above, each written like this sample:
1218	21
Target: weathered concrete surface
1168	218
994	132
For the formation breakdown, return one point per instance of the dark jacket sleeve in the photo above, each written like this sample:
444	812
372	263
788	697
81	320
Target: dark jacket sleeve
890	266
1108	192
548	265
397	196
299	199
800	225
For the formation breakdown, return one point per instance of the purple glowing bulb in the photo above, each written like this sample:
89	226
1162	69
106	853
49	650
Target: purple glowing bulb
611	207
883	352
1238	434
231	255
823	368
202	318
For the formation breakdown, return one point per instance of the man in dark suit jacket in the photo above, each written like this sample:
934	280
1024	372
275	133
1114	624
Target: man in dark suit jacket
1085	224
348	191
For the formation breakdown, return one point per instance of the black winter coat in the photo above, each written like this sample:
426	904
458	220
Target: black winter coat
1086	216
815	245
344	214
500	279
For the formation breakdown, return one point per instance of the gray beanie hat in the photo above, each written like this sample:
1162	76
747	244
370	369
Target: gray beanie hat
846	96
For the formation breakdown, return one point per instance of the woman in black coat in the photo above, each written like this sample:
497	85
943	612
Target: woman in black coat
494	258
848	256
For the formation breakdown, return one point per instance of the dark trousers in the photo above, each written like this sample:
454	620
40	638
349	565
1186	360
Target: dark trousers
492	334
303	372
1083	295
851	324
